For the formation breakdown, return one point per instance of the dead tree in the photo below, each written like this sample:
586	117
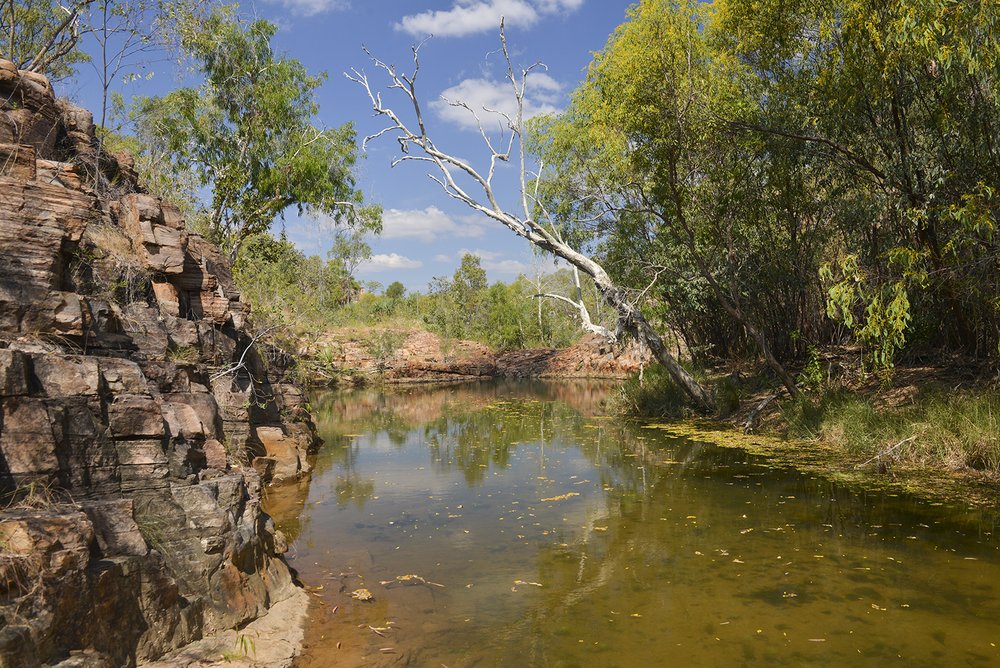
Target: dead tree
450	169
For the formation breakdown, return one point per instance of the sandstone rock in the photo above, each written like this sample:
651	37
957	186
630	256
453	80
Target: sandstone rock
105	399
205	409
167	298
27	440
182	421
17	160
115	527
135	416
215	455
122	376
282	449
58	173
67	376
13	373
163	247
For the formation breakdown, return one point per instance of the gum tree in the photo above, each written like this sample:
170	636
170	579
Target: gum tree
462	181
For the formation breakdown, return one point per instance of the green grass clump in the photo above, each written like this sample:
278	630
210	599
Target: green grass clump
653	395
938	428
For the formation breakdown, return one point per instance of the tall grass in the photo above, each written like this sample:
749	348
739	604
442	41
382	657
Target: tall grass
938	428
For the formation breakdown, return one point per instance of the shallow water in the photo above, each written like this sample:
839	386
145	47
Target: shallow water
544	533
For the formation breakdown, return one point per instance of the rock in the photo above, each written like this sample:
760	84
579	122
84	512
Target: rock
135	416
163	247
283	449
107	399
27	439
168	298
67	376
115	527
17	160
13	373
215	455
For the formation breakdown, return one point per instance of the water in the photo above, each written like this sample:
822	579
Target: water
543	533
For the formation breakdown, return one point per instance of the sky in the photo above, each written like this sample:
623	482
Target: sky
425	232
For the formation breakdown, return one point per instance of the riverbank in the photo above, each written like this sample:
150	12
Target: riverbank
357	356
931	430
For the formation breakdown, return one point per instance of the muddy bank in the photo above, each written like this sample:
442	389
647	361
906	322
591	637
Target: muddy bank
139	421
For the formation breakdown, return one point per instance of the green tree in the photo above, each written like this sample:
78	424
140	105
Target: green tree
248	134
897	103
43	36
395	291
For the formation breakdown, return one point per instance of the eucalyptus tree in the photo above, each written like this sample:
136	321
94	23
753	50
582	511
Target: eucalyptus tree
462	181
249	135
43	36
645	162
897	104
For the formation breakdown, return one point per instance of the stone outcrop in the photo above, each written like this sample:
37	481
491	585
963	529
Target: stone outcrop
139	419
420	356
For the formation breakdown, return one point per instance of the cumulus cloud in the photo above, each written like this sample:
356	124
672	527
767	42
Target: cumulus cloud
508	267
312	7
487	97
492	262
468	17
388	262
427	225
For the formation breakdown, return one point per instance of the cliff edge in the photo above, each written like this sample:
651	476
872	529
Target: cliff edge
139	419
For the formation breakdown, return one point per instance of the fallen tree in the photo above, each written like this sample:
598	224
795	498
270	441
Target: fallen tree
449	170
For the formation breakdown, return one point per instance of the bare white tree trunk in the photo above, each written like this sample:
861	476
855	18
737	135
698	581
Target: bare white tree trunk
450	168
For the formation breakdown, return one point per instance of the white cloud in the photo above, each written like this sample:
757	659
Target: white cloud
442	258
481	254
491	261
467	17
509	267
313	7
390	262
541	96
427	225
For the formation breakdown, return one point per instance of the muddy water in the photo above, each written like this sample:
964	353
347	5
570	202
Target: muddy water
516	525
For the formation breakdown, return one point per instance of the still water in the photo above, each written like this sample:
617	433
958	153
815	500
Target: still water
516	524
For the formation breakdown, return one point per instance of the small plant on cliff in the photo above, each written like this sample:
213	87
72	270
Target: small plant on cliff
242	649
183	355
383	346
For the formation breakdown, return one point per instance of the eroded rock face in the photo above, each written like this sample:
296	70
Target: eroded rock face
132	408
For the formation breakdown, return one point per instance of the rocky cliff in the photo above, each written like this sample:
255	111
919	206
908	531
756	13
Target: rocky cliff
138	418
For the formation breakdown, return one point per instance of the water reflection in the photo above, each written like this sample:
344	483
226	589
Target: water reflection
543	533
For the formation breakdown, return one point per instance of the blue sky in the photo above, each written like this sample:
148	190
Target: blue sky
425	232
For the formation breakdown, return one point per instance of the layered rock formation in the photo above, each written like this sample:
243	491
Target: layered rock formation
419	356
138	417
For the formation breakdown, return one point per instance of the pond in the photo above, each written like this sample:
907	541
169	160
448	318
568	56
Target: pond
516	524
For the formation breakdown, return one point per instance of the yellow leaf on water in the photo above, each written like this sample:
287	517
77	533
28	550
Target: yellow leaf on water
561	497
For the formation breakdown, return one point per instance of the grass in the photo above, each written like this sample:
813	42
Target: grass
937	428
656	395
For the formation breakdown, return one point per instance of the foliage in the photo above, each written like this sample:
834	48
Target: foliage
773	176
247	134
43	36
652	394
505	316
